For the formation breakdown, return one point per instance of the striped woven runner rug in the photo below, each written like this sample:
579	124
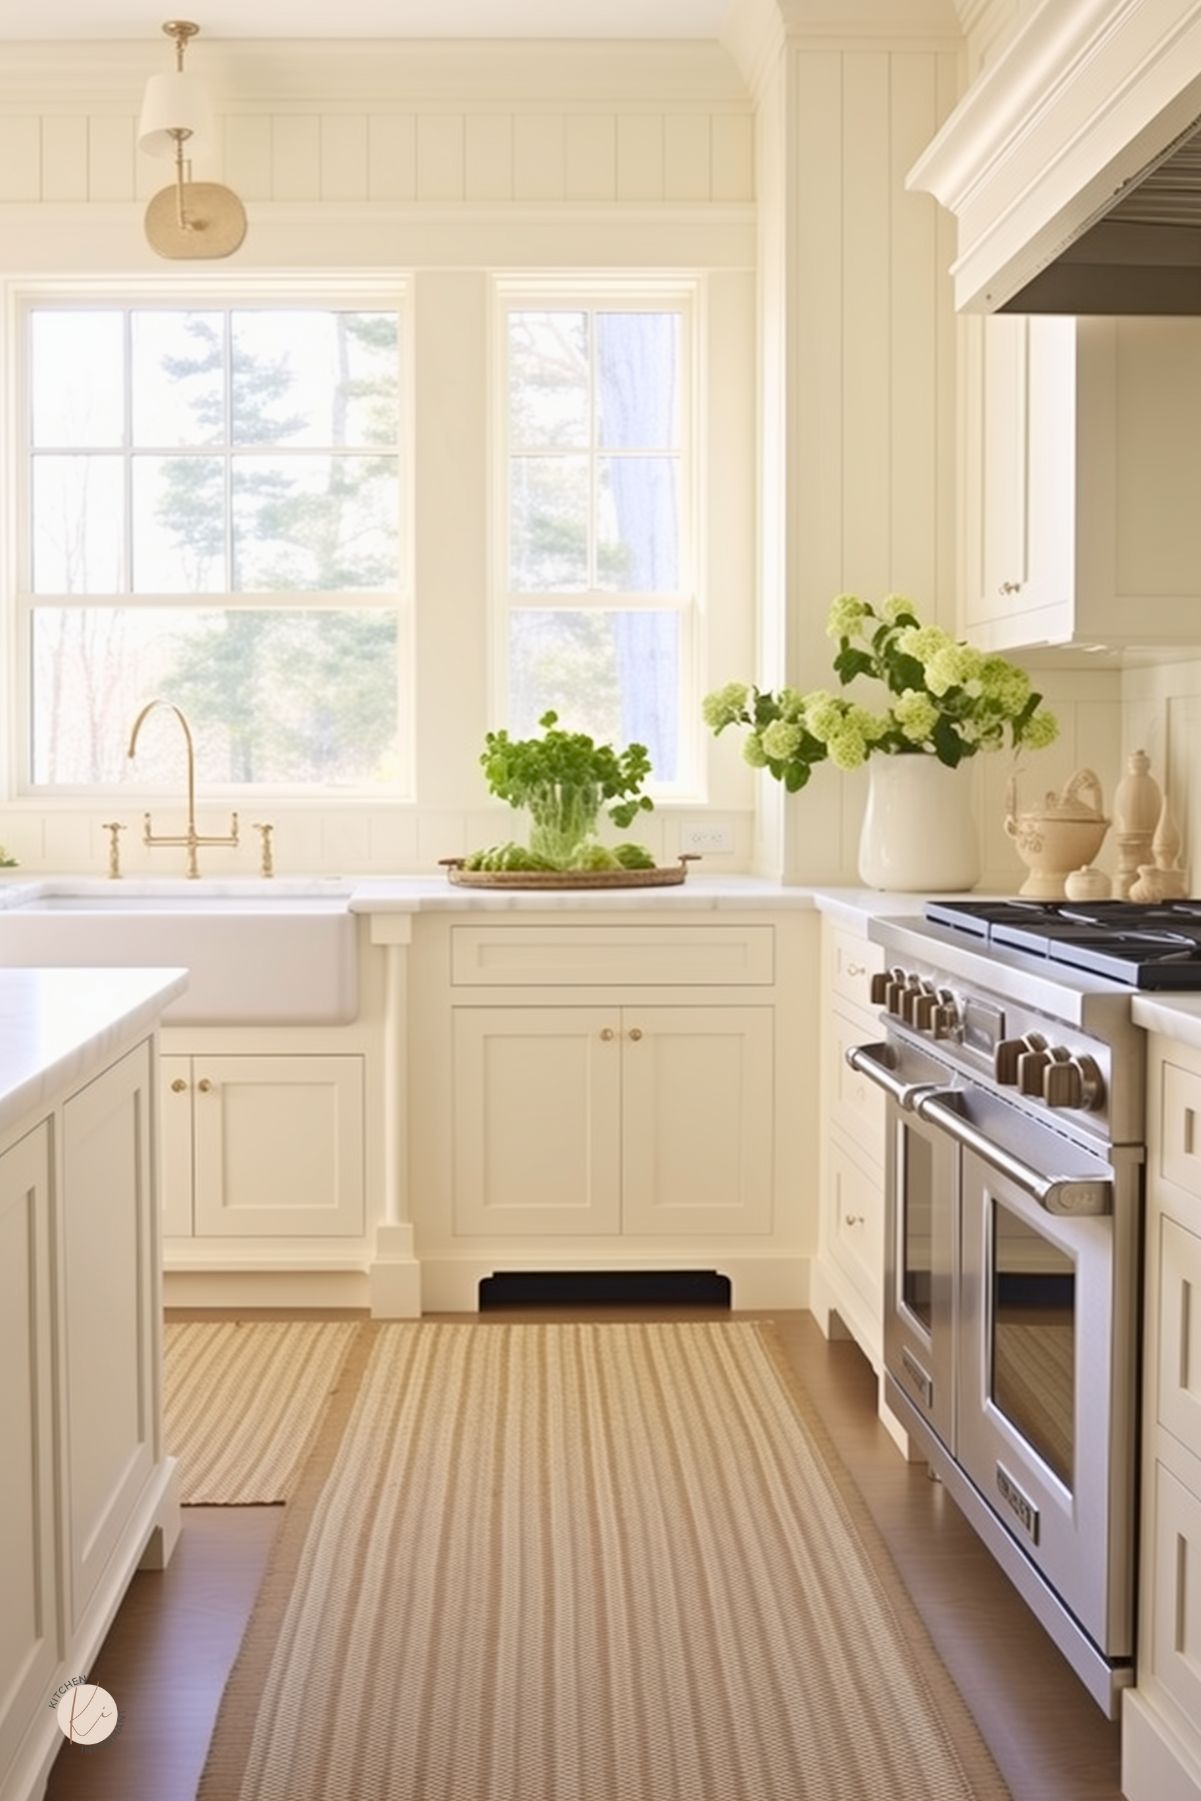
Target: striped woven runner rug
584	1563
243	1402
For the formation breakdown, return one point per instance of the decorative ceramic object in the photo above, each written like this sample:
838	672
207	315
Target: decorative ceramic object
1162	879
918	834
1062	835
1087	885
1137	805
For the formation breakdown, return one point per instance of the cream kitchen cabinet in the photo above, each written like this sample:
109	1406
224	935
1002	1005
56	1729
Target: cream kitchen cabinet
1081	463
636	1120
604	1089
89	1490
1161	1736
262	1146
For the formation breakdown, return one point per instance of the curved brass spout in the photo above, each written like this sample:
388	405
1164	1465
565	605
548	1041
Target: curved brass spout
192	838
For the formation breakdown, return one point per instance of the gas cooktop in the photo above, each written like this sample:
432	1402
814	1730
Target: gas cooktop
1152	946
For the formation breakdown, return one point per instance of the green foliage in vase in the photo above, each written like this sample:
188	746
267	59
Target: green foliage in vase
944	699
565	779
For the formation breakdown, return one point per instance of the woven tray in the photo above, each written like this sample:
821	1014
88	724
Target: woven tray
558	880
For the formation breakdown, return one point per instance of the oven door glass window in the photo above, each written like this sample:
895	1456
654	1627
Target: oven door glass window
1033	1361
917	1238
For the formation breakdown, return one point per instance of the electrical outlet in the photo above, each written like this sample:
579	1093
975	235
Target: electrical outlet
709	840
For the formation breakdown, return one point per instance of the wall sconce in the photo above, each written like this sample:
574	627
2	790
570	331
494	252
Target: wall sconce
190	218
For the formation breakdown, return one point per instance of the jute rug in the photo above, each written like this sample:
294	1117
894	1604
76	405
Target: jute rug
584	1563
244	1401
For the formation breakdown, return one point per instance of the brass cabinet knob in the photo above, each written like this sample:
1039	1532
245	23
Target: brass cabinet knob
204	1085
855	1219
608	1034
179	1086
856	969
635	1033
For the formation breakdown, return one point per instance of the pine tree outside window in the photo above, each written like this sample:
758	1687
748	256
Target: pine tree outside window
214	511
596	603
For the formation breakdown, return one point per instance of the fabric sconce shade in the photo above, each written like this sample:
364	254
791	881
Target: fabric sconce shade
175	101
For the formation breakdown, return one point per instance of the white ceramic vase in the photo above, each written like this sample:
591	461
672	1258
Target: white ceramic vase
918	835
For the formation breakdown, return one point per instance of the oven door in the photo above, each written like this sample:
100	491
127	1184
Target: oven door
1045	1382
921	1232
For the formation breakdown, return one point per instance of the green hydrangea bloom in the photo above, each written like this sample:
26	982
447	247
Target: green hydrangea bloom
916	715
791	703
924	641
725	705
896	607
1005	685
781	739
847	748
754	753
1042	728
870	726
823	714
846	612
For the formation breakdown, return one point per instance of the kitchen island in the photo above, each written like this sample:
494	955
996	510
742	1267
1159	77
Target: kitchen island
91	1491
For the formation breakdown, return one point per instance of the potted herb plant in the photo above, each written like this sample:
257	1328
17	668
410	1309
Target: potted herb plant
565	780
944	702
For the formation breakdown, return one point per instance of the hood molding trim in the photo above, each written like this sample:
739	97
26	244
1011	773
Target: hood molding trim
1083	101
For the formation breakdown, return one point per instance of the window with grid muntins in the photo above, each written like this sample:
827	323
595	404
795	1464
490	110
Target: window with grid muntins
213	513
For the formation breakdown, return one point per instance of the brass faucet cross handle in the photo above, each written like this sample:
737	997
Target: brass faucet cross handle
191	839
114	828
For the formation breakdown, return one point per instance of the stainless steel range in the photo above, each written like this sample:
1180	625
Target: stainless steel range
1014	1079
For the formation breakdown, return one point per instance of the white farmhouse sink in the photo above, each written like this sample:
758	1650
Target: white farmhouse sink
254	956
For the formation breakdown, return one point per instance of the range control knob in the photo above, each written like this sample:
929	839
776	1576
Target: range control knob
1008	1055
1032	1064
879	987
893	990
924	1009
946	1017
1076	1082
915	992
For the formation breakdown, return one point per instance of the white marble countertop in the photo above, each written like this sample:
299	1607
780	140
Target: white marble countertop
58	1027
1171	1015
433	893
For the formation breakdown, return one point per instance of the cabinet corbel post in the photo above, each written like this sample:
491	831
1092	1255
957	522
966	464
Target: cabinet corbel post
395	1274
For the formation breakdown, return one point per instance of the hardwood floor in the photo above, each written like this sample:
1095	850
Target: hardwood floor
170	1648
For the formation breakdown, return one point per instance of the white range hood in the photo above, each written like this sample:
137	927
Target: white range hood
1091	98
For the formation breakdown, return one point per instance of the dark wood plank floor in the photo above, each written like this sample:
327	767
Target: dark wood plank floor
170	1648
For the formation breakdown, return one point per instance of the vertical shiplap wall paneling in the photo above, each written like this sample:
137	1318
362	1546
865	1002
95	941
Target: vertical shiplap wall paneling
590	156
488	153
948	87
731	157
64	157
873	380
296	157
248	154
538	160
772	166
344	153
640	156
440	156
110	157
20	157
686	173
392	156
818	421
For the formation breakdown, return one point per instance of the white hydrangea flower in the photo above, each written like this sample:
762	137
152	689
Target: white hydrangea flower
846	612
754	753
781	739
916	715
847	748
725	705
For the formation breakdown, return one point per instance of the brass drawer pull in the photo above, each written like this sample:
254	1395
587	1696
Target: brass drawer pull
179	1086
635	1033
608	1034
856	969
856	1219
204	1085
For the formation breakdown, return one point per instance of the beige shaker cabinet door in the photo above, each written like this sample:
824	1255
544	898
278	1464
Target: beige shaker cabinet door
109	1258
697	1118
175	1144
537	1121
28	1580
278	1146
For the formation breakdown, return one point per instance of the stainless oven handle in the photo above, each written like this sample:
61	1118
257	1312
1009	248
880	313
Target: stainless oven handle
871	1061
1075	1196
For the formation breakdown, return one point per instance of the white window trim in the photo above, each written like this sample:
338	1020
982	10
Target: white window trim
300	291
635	291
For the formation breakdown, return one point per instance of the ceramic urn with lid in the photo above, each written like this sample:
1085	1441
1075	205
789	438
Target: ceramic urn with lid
1061	835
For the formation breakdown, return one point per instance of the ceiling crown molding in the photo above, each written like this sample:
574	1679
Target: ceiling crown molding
389	71
1081	102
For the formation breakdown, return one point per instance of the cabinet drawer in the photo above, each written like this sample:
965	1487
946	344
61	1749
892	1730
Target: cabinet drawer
1178	1400
853	962
1180	1127
1175	1650
855	1203
612	956
855	1104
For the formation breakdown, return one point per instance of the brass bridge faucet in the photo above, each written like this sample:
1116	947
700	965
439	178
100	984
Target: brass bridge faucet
191	838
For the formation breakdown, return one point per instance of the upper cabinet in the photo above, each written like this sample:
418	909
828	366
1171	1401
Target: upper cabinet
1081	468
